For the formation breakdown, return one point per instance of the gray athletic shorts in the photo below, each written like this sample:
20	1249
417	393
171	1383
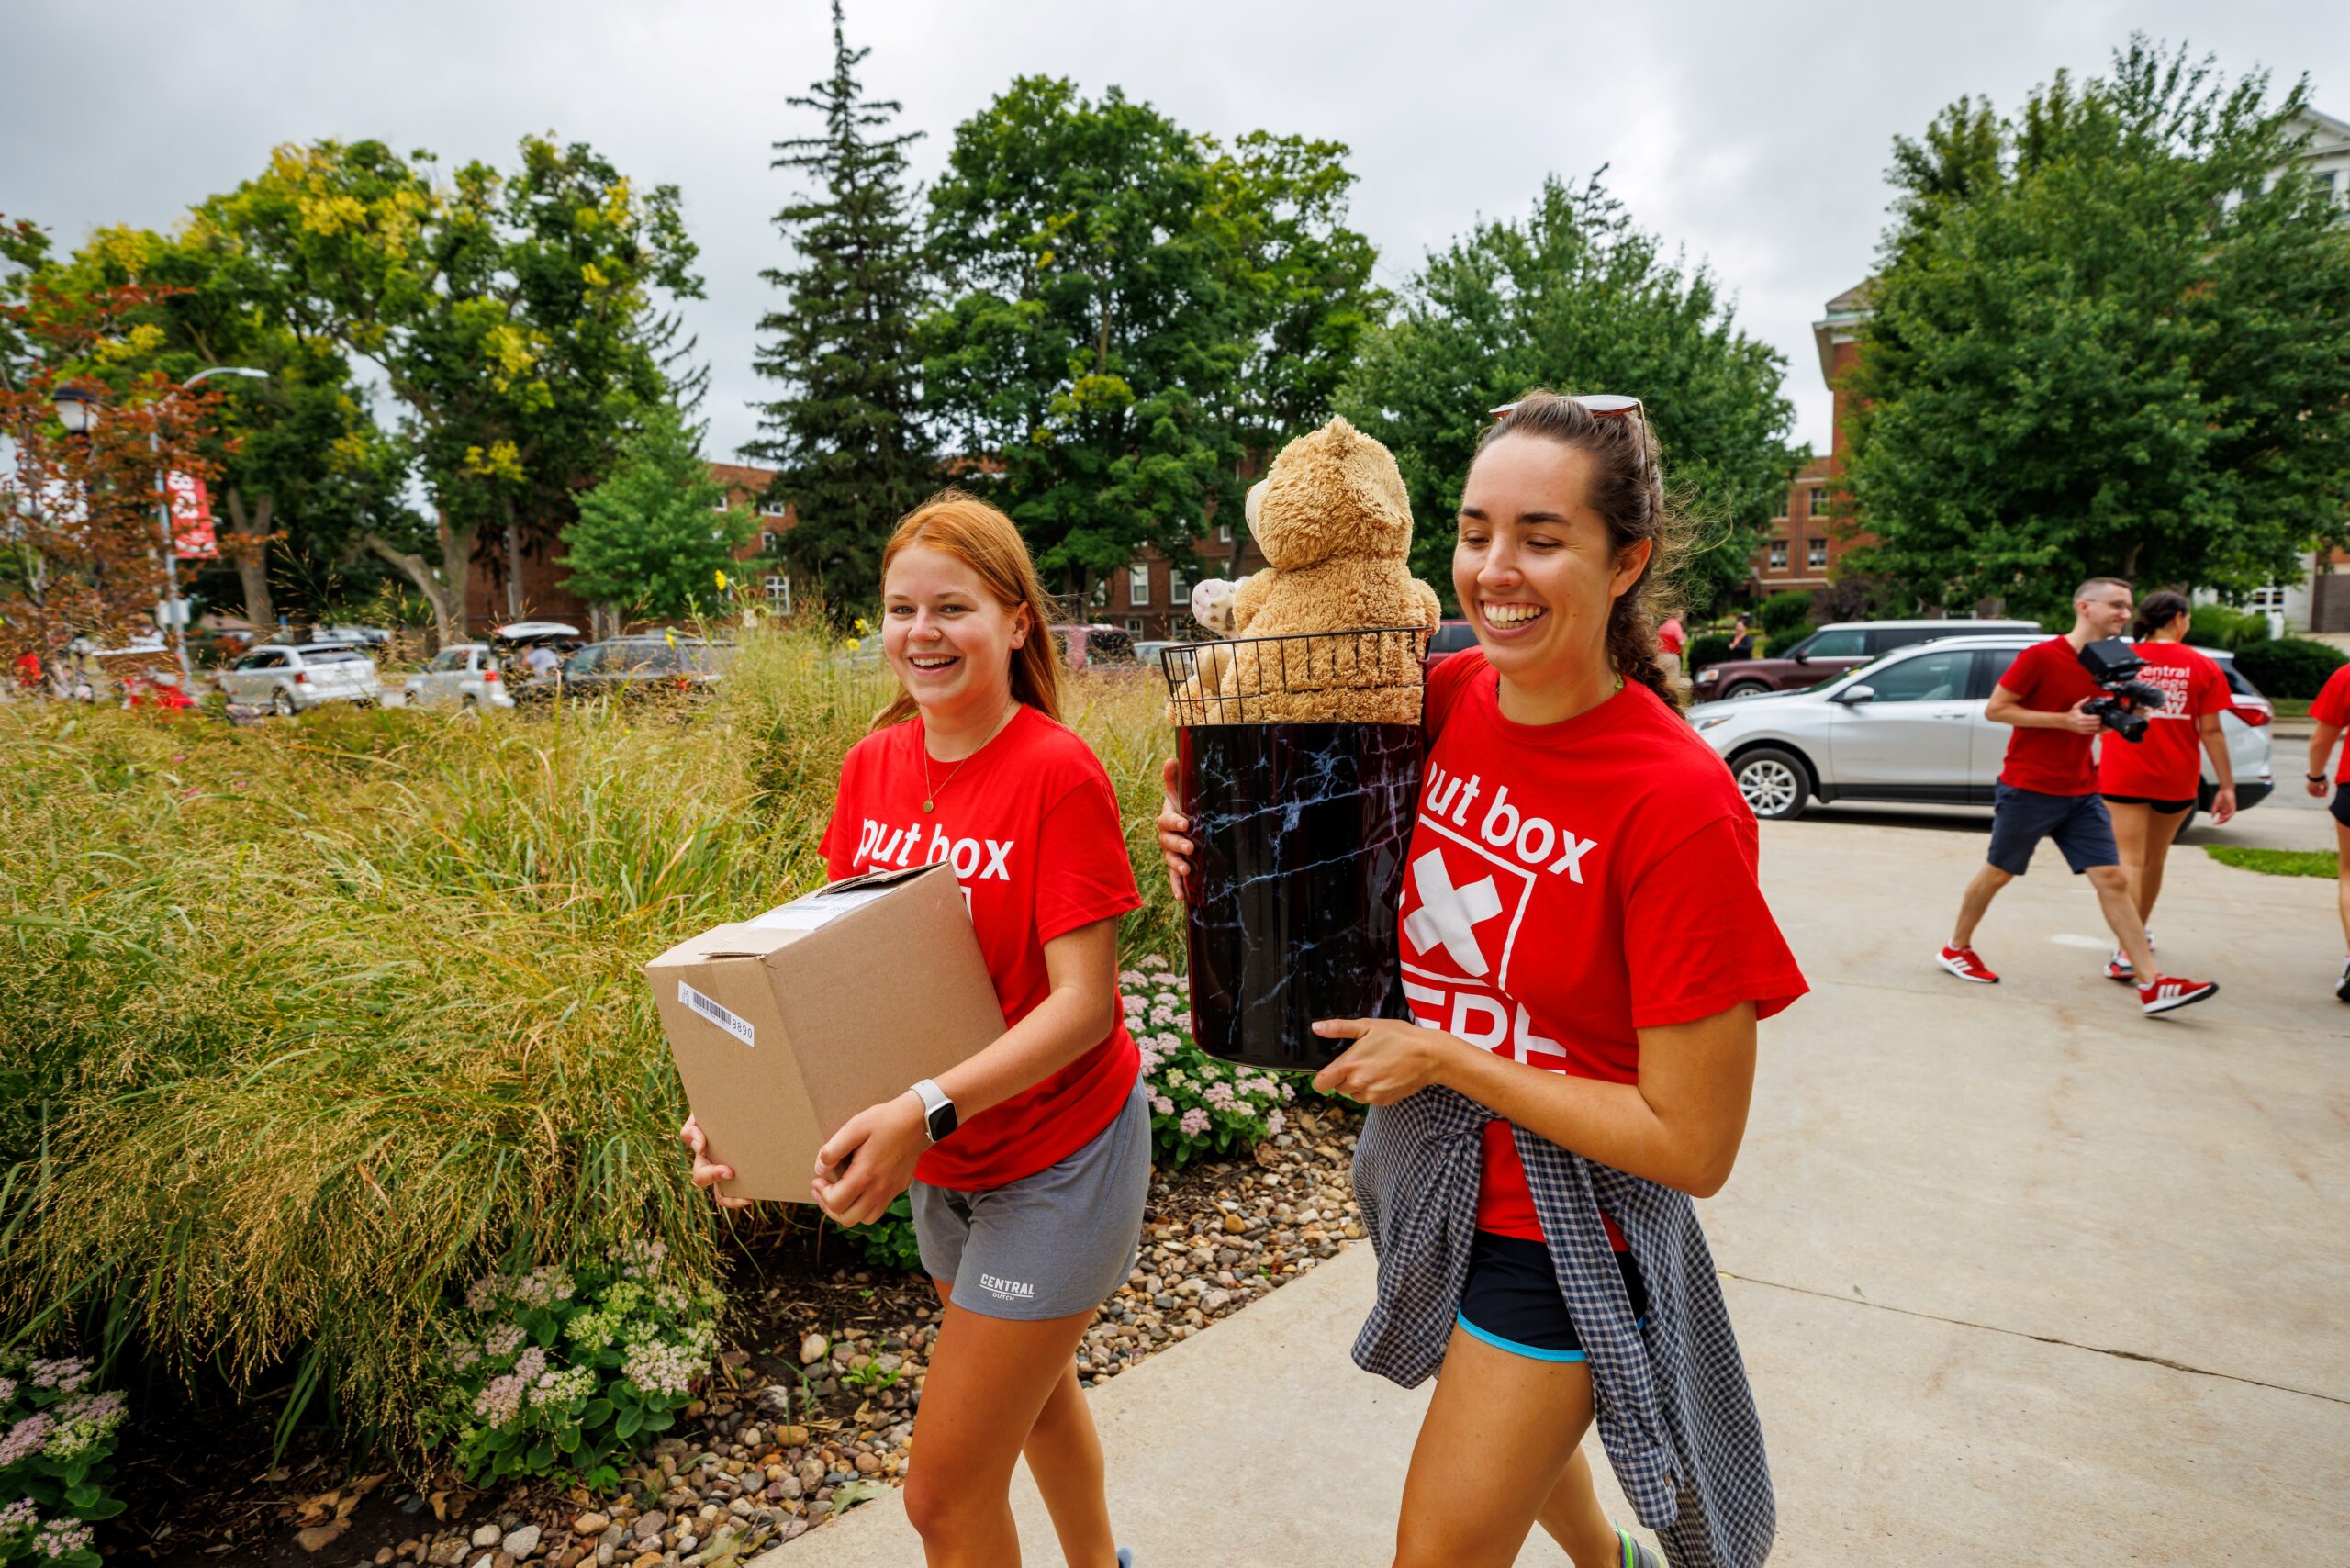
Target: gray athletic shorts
1051	1244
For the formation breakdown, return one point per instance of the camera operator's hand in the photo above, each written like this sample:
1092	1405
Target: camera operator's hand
2080	721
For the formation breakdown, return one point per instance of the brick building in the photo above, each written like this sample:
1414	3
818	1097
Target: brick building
1152	596
1801	545
546	591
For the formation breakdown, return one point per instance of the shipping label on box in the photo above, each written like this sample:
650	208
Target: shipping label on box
786	1025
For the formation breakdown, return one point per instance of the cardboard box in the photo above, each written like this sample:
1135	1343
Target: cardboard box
784	1026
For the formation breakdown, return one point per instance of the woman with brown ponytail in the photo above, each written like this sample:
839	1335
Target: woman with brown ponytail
1585	952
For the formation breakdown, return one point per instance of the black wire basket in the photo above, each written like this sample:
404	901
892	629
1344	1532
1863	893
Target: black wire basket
1296	678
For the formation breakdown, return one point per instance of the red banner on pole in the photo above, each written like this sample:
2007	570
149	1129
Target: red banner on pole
192	538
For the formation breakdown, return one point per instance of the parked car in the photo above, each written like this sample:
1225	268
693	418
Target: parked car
1831	651
1909	727
352	636
289	678
468	674
1450	637
627	666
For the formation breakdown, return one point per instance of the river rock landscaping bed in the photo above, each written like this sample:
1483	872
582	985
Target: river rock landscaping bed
808	1416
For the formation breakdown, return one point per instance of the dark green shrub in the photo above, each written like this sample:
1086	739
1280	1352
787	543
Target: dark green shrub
2288	667
1710	649
1783	615
2217	626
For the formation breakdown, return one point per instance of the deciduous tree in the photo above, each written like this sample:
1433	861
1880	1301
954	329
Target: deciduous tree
651	537
1577	298
2110	335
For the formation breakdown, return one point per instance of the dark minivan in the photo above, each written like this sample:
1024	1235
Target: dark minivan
1830	652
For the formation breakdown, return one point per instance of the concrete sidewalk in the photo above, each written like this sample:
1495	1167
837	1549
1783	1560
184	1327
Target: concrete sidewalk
2020	1275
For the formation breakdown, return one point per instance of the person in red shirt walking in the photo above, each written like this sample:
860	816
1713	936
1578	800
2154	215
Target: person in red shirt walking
2330	716
1029	1163
2149	787
2048	790
1585	952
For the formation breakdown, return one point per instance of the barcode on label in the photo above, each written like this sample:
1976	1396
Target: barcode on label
733	1023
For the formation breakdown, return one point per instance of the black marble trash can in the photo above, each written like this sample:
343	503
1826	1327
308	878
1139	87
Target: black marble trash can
1301	834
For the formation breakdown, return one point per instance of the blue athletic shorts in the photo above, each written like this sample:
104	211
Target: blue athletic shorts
2079	825
1511	1298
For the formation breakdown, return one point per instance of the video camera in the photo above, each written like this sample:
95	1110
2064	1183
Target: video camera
2127	702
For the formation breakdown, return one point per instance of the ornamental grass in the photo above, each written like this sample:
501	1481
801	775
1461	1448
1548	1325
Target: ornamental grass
304	1025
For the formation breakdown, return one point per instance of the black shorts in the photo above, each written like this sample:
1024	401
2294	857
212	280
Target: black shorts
1511	1298
2340	805
2079	825
2167	808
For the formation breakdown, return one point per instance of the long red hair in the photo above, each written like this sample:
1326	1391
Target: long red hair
984	539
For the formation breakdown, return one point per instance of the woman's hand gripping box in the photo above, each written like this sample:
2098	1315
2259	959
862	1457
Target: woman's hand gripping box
784	1026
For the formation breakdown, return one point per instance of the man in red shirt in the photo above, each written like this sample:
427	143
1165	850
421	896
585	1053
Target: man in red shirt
2329	717
2048	790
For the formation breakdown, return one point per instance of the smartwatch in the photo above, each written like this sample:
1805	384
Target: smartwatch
937	1110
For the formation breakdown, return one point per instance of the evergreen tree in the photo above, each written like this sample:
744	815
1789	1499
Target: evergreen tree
650	539
844	434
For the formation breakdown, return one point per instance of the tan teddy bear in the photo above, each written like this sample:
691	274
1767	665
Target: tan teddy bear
1336	527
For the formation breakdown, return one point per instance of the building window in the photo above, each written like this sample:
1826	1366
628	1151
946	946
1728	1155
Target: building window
1178	586
1815	554
771	508
779	594
1133	624
1138	583
724	503
1818	501
769	542
1224	533
1778	554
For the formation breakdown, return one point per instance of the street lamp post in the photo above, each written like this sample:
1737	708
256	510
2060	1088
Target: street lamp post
77	411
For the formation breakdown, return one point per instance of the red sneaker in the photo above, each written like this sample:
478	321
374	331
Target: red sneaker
2169	993
2118	967
1962	962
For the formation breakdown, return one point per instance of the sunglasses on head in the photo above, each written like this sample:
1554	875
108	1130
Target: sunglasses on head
1601	404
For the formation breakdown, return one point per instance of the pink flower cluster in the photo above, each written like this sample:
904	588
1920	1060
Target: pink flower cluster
502	1341
639	1260
62	1537
83	1421
66	1375
18	1517
26	1437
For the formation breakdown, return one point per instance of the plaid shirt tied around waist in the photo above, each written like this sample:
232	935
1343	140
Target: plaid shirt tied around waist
1671	1400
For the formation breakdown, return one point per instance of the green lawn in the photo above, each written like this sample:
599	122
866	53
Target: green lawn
2291	707
2279	862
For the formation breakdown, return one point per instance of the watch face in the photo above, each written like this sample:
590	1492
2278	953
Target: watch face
942	1121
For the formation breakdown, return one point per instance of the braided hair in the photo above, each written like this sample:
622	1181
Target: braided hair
1628	494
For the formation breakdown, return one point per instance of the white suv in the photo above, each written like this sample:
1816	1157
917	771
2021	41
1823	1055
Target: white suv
294	677
468	674
1909	727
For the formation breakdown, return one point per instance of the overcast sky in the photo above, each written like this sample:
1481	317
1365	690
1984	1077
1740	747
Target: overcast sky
1754	135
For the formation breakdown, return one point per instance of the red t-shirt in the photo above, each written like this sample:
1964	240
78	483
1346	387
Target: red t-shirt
2332	707
1031	827
2167	764
2048	677
1570	884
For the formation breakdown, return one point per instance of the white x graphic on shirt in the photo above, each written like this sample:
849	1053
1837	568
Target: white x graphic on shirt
1449	915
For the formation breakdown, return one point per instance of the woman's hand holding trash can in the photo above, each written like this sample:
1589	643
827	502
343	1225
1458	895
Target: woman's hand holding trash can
1172	825
1388	1062
706	1172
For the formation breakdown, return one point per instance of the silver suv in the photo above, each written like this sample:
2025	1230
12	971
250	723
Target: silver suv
1909	727
293	677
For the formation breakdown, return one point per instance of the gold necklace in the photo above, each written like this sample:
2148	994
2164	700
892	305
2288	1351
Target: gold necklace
931	791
